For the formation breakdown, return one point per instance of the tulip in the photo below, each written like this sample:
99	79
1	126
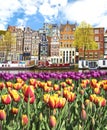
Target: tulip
2	85
19	80
52	121
2	114
28	91
97	90
9	84
40	116
69	81
25	119
52	102
17	86
14	110
63	84
32	81
61	102
46	98
83	115
14	94
49	83
102	102
30	99
56	87
6	99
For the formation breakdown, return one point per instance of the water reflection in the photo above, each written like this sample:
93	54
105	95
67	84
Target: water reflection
37	71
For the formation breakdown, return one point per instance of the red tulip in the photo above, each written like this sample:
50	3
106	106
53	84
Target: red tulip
2	85
31	99
6	99
28	91
2	114
52	121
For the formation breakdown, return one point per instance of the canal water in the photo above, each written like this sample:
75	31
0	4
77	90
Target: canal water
37	71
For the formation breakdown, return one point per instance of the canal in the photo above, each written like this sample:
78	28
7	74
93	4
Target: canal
37	71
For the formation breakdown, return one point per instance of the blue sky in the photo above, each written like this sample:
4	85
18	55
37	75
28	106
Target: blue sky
34	13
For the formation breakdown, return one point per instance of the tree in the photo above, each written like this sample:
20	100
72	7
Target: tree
84	37
6	43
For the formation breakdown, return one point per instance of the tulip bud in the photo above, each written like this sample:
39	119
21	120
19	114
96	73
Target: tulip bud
93	121
24	120
2	115
40	116
52	121
83	106
83	115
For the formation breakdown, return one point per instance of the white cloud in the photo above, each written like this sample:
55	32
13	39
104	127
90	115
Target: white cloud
46	9
22	22
29	6
7	9
91	11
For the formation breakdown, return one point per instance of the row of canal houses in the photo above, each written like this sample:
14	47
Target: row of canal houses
53	43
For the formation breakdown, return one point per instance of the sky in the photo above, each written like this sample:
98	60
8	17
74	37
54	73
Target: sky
33	13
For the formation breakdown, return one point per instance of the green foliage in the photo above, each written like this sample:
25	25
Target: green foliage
84	37
6	42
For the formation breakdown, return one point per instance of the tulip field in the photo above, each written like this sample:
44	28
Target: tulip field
53	101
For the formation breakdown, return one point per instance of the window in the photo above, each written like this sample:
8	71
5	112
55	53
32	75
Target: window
73	53
105	39
103	62
96	31
96	38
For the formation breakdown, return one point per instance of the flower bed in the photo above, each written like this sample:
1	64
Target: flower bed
53	101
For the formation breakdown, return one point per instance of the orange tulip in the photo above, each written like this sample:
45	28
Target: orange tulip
63	84
69	81
6	99
49	83
25	119
62	102
97	90
14	110
56	87
52	121
2	114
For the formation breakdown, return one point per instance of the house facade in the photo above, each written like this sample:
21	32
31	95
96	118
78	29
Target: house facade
67	52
